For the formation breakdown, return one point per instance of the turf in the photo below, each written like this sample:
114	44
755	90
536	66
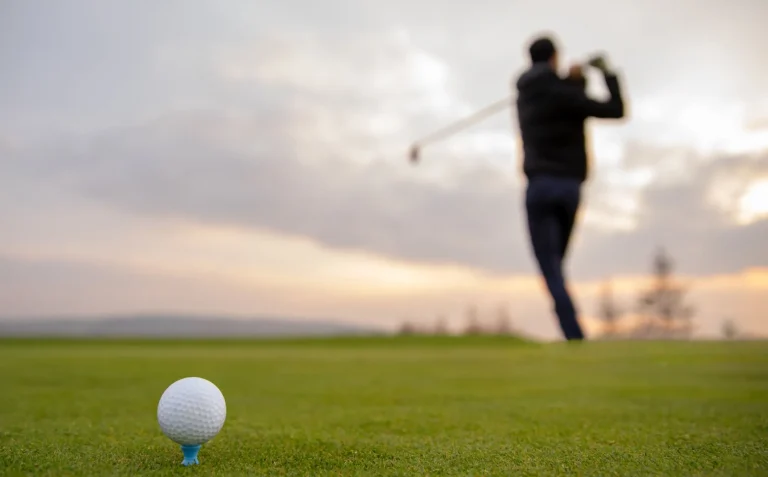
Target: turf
399	406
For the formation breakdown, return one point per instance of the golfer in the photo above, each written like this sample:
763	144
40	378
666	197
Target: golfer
551	114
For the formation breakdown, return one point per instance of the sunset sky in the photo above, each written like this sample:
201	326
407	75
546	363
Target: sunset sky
249	158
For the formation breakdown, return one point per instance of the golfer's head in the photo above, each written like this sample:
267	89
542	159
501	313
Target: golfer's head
543	50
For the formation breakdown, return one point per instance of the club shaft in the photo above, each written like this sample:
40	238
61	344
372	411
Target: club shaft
464	123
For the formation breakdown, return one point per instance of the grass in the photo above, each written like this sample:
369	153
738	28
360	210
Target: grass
399	406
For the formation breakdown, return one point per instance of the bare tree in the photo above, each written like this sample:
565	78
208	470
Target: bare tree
503	321
407	328
473	326
664	303
609	311
441	325
729	329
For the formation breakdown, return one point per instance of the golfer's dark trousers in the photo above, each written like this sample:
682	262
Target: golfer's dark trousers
551	204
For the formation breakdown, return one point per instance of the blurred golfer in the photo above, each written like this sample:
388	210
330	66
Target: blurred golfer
551	115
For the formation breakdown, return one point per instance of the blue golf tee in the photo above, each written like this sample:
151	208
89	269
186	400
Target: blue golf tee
190	454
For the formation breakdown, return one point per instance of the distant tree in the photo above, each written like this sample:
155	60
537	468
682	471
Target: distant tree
609	311
473	326
441	325
503	321
407	328
664	303
729	329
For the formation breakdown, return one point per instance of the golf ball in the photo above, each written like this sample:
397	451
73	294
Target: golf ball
191	411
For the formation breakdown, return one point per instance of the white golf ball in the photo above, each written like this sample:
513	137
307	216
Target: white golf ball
191	411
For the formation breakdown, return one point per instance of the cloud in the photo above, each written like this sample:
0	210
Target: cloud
93	63
181	168
695	216
298	124
250	172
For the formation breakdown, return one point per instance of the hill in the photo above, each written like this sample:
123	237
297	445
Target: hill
169	326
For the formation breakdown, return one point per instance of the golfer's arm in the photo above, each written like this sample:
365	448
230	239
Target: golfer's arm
611	109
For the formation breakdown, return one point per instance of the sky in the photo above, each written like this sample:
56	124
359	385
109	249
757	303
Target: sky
247	158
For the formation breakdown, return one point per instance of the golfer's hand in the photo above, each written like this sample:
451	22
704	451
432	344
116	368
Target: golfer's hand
600	62
575	72
576	76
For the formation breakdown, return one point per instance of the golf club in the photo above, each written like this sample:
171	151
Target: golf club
493	108
457	126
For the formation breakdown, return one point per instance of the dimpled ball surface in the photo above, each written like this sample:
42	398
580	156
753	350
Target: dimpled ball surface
191	411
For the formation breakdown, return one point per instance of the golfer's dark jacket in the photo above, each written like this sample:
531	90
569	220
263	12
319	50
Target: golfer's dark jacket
551	113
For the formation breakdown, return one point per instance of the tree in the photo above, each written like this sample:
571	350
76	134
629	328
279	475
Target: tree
473	326
609	311
441	325
664	303
503	321
407	328
729	329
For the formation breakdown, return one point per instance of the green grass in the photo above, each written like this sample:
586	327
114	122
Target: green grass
415	406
